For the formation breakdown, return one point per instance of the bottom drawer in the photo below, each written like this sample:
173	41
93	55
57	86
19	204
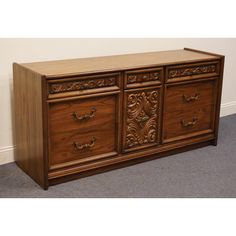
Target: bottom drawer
82	147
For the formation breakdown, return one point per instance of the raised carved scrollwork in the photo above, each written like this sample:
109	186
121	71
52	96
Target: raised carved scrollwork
132	79
137	78
141	123
196	70
81	85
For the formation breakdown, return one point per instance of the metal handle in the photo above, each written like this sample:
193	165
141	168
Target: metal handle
190	123
86	145
191	98
85	116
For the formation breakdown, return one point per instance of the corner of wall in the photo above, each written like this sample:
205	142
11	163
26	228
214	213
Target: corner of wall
228	108
6	155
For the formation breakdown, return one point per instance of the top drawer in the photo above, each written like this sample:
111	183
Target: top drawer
83	85
192	71
143	77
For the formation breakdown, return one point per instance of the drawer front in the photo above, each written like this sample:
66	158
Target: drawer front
83	85
192	71
141	118
189	110
145	77
86	136
81	114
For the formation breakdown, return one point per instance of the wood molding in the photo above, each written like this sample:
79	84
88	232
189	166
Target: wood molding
6	155
228	108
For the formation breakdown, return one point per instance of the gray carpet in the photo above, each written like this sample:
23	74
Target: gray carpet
205	172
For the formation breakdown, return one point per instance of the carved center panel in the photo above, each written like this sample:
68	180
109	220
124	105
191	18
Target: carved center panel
142	118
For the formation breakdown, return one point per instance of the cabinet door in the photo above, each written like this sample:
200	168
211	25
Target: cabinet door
83	130
189	109
141	118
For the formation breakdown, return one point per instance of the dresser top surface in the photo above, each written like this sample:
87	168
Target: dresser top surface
79	66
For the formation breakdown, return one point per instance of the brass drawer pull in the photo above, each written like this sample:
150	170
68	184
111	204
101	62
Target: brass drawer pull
85	116
190	123
192	98
86	145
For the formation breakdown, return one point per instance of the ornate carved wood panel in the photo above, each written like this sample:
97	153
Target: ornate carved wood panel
144	77
81	85
141	118
192	71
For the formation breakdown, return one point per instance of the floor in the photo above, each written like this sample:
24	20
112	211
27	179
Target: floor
205	172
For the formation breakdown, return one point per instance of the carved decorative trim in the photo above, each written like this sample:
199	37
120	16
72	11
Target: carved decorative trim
195	70
81	85
142	118
137	78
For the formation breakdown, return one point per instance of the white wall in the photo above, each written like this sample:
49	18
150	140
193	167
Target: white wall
28	50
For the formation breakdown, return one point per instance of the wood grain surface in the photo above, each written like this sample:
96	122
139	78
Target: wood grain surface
65	129
81	116
188	109
52	69
28	109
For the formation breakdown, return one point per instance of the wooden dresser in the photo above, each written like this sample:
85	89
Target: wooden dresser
75	118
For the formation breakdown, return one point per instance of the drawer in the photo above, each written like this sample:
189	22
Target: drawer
83	85
145	77
192	71
79	147
94	136
82	114
189	109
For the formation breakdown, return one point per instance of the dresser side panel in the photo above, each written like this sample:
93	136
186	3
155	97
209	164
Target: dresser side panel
218	99
29	143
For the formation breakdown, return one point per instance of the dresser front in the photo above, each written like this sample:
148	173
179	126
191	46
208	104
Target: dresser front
109	116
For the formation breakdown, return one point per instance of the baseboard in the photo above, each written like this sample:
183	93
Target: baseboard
228	108
7	153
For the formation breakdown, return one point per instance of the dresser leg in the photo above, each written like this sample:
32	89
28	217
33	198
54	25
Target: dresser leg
214	142
45	188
